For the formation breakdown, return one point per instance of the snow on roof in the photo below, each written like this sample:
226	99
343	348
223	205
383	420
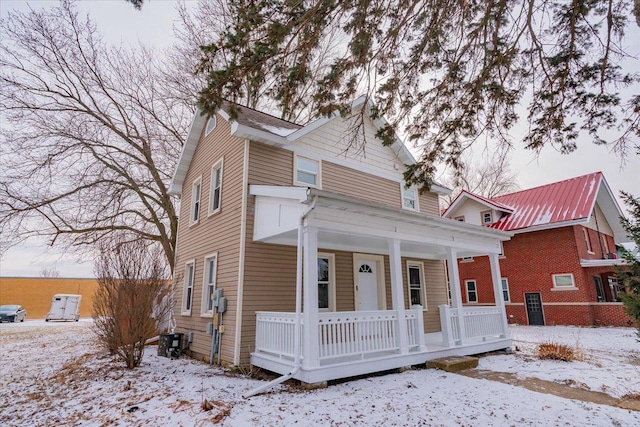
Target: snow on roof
258	120
569	200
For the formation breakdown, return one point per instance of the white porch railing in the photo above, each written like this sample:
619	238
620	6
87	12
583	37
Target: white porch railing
351	335
275	333
478	322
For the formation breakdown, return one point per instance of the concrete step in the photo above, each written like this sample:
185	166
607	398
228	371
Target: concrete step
453	363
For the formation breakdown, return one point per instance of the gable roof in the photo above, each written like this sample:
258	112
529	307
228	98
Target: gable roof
464	195
258	126
558	204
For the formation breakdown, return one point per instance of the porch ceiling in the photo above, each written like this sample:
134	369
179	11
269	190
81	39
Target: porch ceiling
359	226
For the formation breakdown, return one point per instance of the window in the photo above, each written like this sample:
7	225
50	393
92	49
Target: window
211	125
587	241
209	283
326	282
196	189
605	246
501	249
563	281
505	289
487	217
415	276
187	296
410	198
459	218
472	293
307	172
215	192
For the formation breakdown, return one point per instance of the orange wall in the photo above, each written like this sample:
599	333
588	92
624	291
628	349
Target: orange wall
35	293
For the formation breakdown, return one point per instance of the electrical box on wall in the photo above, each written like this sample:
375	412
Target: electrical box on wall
217	295
222	305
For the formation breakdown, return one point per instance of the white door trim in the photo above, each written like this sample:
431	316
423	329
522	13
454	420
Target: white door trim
382	294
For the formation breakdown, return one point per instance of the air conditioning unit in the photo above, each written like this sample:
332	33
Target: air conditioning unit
170	345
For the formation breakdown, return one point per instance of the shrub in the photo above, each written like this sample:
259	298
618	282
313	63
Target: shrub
132	298
554	351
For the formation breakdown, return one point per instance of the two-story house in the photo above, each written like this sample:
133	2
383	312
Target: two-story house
330	267
559	268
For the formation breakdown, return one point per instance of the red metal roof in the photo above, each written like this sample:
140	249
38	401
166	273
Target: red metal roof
568	200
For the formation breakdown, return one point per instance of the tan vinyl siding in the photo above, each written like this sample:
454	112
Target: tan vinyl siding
350	182
429	203
269	166
217	233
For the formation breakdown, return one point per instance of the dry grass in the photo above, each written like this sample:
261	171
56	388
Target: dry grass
555	351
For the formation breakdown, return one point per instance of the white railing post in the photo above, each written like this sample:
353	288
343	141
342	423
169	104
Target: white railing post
420	328
310	294
494	262
395	264
456	297
445	324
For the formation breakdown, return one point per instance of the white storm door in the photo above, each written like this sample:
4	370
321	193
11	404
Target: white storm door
367	286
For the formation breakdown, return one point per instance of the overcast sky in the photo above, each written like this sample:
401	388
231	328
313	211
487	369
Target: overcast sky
119	22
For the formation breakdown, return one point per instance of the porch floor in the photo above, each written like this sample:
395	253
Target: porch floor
337	368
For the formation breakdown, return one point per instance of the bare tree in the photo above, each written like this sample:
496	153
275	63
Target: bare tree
133	297
89	137
202	24
489	178
49	273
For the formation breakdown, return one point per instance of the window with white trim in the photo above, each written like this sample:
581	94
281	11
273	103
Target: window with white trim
196	190
209	283
410	198
605	245
472	291
415	281
505	289
307	172
487	217
187	295
215	191
587	240
563	281
211	125
326	282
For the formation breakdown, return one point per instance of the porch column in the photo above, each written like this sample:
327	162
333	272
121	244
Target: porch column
310	297
397	294
496	277
456	297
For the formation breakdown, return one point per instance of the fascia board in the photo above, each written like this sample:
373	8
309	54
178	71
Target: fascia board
246	132
296	193
186	155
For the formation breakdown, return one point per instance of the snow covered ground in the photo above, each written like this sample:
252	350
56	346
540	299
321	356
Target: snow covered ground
52	374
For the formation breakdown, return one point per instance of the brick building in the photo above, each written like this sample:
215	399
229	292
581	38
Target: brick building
559	268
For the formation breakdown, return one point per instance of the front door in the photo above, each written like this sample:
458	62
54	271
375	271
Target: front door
534	308
367	284
599	289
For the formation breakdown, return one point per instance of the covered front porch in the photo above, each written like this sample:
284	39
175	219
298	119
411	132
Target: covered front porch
321	344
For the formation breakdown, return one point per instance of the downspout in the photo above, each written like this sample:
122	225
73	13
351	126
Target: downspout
297	325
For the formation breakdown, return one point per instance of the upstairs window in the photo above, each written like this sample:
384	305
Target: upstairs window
587	241
410	198
505	289
187	295
472	292
605	245
415	275
211	125
196	190
307	172
459	218
487	217
215	192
